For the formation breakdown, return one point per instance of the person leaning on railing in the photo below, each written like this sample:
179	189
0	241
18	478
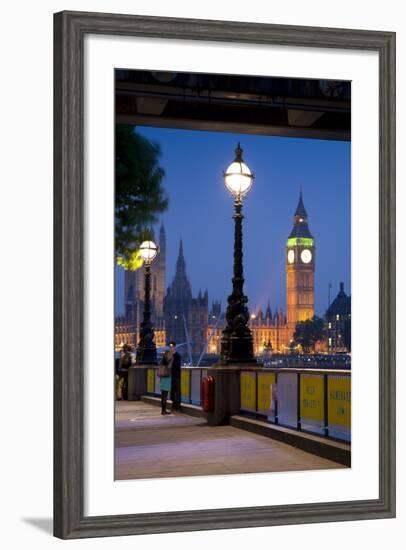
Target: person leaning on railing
175	373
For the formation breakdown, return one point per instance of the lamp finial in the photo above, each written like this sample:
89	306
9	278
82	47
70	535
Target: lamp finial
238	153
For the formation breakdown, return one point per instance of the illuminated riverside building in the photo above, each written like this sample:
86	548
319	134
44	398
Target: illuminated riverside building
338	323
185	318
127	332
300	265
270	331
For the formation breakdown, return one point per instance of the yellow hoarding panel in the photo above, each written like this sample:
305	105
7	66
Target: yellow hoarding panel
247	391
339	400
311	397
185	383
266	383
150	380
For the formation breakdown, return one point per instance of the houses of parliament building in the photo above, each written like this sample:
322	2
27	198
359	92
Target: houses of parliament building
186	319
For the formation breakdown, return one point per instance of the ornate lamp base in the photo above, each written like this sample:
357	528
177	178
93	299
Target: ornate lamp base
146	350
146	356
237	349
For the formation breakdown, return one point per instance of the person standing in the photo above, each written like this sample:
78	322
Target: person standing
164	373
125	362
175	385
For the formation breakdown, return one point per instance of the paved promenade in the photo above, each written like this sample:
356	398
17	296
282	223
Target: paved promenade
149	445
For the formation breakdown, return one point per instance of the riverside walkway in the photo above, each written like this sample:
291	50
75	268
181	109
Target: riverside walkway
149	445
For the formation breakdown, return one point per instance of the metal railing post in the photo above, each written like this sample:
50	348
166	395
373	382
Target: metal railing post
299	422
325	405
256	394
276	400
190	387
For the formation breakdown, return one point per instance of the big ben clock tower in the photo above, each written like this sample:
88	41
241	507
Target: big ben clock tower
300	263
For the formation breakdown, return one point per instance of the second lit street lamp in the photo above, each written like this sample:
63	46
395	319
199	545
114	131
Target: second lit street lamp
146	350
236	340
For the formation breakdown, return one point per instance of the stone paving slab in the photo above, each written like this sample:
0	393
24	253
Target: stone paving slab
149	445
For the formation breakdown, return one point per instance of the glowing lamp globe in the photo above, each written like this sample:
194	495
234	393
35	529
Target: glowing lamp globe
238	177
148	251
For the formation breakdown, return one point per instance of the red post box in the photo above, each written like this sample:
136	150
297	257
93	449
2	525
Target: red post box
207	394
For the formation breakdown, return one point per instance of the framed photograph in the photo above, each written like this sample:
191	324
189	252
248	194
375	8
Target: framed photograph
224	275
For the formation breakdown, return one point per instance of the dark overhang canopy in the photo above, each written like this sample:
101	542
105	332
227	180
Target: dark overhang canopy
291	107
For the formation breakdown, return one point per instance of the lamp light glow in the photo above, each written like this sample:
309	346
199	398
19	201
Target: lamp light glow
148	251
238	177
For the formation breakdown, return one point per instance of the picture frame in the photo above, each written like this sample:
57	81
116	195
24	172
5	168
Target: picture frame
70	28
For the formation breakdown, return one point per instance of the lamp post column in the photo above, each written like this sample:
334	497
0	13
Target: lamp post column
236	341
236	351
146	350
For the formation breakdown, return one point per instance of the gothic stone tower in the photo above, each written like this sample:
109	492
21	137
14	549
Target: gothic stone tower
158	282
185	317
177	301
300	264
134	284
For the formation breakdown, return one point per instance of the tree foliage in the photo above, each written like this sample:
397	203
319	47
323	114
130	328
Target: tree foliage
139	196
308	332
132	262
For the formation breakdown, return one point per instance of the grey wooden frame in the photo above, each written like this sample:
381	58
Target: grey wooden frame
69	31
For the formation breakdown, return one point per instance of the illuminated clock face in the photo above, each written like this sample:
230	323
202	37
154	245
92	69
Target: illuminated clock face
306	256
291	256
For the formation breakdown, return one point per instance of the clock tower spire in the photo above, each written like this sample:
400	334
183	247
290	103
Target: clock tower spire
300	264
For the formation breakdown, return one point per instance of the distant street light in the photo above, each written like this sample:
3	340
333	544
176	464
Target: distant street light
236	340
146	350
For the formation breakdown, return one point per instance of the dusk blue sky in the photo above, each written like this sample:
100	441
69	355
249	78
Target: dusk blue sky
200	211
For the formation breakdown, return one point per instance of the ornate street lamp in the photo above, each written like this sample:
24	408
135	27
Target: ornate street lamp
146	350
236	340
